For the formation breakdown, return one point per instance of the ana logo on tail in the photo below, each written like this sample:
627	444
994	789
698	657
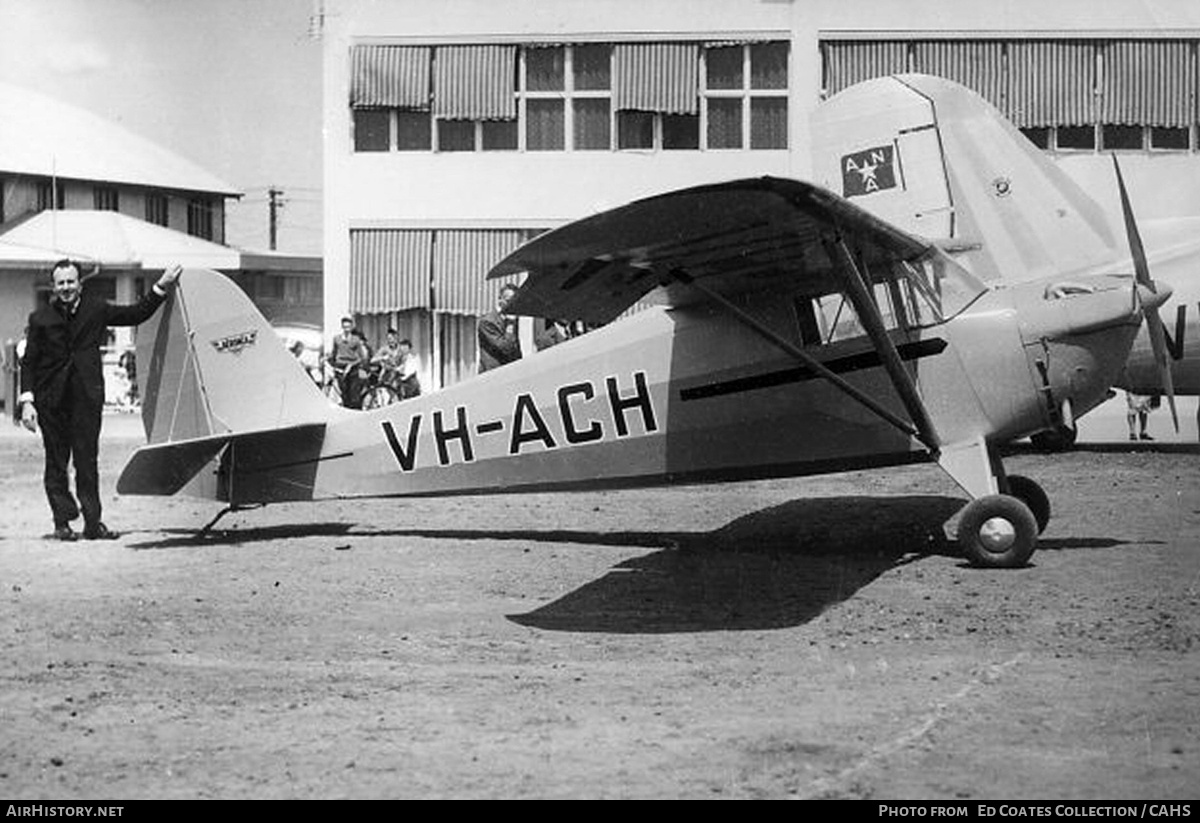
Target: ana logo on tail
868	171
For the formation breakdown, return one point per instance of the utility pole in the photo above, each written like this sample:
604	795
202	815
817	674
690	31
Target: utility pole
316	20
275	205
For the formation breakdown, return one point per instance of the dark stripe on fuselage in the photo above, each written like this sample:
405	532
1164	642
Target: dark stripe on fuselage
839	365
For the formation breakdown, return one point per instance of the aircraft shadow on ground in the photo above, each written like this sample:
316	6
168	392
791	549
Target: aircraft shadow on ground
777	567
191	538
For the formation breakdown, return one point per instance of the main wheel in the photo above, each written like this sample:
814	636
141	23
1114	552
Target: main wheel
997	532
1033	496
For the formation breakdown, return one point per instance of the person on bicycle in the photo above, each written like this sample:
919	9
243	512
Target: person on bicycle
349	357
390	358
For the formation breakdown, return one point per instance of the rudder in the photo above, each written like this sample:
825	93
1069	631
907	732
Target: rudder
214	366
934	158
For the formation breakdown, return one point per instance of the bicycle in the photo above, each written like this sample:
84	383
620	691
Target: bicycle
379	389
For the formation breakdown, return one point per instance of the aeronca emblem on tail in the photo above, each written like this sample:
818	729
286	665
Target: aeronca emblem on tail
868	171
234	343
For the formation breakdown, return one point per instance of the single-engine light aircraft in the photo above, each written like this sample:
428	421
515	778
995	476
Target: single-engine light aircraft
935	159
789	332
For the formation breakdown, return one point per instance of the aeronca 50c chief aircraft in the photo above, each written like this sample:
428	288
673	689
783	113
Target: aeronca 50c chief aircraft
791	332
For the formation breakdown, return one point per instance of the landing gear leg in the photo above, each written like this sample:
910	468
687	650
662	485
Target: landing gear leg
999	527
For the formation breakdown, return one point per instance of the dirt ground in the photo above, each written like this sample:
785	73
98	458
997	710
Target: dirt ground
809	638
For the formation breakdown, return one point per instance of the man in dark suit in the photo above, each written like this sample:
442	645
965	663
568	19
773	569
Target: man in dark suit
497	332
62	389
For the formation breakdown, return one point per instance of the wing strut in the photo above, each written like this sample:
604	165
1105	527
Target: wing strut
801	355
868	313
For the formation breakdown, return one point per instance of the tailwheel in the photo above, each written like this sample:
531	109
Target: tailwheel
1033	496
997	531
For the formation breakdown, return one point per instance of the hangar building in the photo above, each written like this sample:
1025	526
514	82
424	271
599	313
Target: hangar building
456	130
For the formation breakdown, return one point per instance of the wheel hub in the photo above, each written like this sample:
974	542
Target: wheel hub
997	534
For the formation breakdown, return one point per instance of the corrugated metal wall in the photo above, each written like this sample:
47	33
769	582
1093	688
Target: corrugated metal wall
395	76
661	77
475	82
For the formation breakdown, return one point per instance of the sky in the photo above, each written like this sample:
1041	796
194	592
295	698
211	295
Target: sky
232	85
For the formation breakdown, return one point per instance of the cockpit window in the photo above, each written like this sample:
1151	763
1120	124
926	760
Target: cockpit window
908	295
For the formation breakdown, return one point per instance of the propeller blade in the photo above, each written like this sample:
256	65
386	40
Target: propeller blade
1141	270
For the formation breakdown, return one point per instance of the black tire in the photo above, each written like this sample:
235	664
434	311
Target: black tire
997	532
1061	439
1033	496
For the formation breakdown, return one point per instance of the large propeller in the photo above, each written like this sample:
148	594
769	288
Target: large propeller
1154	325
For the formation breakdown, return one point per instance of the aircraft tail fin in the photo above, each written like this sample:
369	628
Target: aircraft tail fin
213	366
934	158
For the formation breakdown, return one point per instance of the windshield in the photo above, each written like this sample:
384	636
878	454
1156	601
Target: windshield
908	295
936	288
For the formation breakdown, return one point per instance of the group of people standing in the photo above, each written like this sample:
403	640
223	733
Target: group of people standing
394	366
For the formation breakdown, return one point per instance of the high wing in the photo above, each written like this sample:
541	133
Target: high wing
733	237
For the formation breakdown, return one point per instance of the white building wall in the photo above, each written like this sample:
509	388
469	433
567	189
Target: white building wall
423	189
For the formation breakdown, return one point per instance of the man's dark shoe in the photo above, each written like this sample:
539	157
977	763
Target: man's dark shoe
65	532
99	531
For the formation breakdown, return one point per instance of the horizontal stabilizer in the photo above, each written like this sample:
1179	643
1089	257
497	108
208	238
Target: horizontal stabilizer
253	467
165	469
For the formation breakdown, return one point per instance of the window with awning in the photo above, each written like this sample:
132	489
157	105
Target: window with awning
848	62
1148	82
475	82
1081	93
658	77
1052	82
979	65
548	96
390	77
461	261
440	269
390	269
